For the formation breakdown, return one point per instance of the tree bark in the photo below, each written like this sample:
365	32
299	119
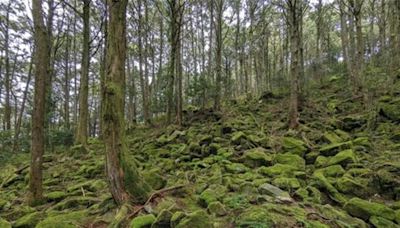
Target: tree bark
82	131
42	62
125	182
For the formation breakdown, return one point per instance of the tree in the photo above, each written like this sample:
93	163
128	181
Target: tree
42	63
125	182
218	56
294	10
82	131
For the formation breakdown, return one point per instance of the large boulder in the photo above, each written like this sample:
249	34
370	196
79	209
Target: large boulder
364	209
292	160
256	157
142	221
197	219
294	146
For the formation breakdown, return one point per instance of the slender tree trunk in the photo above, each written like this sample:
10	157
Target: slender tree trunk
218	55
124	180
82	132
7	106
66	84
42	62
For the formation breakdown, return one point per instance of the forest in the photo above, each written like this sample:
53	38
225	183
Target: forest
199	113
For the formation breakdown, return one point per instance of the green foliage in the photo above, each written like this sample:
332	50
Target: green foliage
61	137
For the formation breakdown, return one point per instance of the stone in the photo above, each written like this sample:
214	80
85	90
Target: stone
67	220
278	170
29	220
287	183
380	222
238	137
364	209
155	179
334	148
321	161
176	218
294	146
4	223
343	158
235	168
390	110
56	196
142	221
197	219
256	157
350	186
332	171
292	160
254	217
163	219
217	209
331	137
274	191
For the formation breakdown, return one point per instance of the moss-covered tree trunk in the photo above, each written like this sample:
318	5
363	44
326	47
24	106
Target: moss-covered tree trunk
82	131
42	63
125	182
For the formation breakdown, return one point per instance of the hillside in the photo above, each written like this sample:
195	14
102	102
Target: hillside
240	167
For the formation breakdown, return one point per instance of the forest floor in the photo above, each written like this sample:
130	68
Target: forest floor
241	167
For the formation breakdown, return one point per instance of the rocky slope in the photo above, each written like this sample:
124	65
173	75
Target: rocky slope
238	168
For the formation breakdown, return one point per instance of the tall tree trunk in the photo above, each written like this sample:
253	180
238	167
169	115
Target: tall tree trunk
218	54
66	84
345	38
125	182
82	132
42	62
7	106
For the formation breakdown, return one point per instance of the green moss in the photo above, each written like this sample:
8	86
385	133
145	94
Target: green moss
68	220
334	148
278	170
197	219
163	219
238	137
331	137
364	209
212	194
154	179
287	183
380	222
294	146
176	218
321	161
311	157
391	111
217	209
142	221
332	171
321	182
350	186
343	158
4	223
56	196
340	218
292	160
236	168
29	220
254	217
256	157
76	201
397	216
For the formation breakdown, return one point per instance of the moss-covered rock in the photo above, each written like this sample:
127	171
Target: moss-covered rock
176	218
4	223
278	170
154	179
390	110
254	217
76	201
216	209
321	161
322	183
67	220
334	148
275	192
142	221
380	222
364	209
56	196
29	220
163	219
212	194
292	160
309	194
332	171
236	168
238	138
350	186
197	219
287	183
331	137
256	157
340	218
343	158
294	146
